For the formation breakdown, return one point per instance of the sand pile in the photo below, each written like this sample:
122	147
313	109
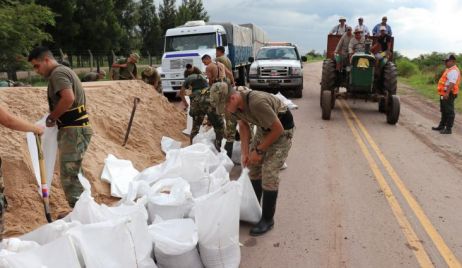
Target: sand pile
109	105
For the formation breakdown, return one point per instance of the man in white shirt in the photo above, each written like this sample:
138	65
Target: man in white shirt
341	28
362	27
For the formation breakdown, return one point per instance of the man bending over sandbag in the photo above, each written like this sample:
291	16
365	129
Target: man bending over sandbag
66	99
10	121
270	146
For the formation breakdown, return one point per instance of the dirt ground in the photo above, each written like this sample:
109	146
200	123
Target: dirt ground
109	105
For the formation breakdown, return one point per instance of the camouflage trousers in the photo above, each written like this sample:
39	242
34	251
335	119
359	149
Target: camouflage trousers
230	130
72	144
3	204
200	107
273	159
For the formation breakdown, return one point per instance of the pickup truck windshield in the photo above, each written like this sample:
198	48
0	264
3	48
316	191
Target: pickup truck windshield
190	42
277	53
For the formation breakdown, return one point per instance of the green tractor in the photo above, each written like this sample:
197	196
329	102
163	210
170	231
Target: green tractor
362	79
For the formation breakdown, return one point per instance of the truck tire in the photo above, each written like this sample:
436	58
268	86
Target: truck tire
393	110
329	76
326	104
298	92
390	78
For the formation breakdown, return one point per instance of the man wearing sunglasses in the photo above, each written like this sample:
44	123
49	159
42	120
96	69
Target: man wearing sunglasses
66	100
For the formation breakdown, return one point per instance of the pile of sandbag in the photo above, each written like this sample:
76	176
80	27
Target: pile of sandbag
184	212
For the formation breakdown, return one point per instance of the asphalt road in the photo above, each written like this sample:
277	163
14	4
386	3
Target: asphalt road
361	193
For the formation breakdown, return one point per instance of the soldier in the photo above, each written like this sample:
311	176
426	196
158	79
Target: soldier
94	76
152	77
231	123
10	121
270	146
128	70
66	100
216	71
200	104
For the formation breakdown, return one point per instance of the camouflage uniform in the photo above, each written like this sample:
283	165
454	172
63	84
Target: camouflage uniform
72	144
273	159
3	204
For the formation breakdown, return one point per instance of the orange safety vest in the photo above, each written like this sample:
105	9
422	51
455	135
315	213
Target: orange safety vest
444	78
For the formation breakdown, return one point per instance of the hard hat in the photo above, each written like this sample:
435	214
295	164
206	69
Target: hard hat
342	18
358	29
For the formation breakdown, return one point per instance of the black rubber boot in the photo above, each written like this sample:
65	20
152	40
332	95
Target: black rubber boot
257	188
229	148
266	222
438	128
446	131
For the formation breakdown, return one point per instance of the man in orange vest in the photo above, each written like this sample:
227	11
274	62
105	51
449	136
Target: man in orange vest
448	88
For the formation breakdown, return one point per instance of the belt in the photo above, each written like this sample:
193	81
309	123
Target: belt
76	117
201	91
286	119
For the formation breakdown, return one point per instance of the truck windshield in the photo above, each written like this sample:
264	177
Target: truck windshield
277	53
190	42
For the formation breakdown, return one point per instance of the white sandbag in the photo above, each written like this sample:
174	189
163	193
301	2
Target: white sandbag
218	179
119	173
236	156
286	101
57	254
217	220
194	161
49	146
150	175
189	120
168	144
16	245
49	232
105	244
175	243
250	210
225	161
206	135
169	199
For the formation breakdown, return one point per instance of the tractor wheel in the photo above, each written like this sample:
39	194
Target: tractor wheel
326	104
329	76
393	110
390	78
382	105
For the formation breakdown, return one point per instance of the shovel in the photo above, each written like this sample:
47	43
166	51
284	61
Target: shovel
45	194
135	103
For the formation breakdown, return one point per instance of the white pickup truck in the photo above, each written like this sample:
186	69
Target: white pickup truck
277	67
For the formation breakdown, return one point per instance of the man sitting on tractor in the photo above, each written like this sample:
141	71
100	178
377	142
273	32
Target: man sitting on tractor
382	49
357	44
341	51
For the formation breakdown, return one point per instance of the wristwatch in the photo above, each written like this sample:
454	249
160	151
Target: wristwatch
259	151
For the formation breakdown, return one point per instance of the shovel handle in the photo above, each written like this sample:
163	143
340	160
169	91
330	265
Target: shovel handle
43	178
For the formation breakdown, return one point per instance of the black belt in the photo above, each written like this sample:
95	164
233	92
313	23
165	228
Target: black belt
286	119
76	117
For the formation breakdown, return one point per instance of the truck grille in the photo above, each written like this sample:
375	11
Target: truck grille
274	71
180	63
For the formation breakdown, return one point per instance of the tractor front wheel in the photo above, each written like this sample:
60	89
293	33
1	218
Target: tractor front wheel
393	110
326	104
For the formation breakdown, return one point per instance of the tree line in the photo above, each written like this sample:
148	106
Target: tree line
76	26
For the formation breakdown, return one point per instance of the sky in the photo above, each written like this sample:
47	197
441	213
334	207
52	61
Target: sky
419	27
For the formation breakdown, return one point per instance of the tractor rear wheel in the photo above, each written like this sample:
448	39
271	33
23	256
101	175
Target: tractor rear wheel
390	78
326	104
393	110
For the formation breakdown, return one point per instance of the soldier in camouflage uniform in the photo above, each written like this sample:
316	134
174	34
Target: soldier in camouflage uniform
151	76
66	99
10	121
231	123
270	147
125	69
200	103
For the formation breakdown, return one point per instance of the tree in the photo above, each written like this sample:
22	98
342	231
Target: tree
197	10
21	28
150	28
167	15
184	14
128	16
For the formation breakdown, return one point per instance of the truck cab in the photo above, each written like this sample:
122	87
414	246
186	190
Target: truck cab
187	44
278	66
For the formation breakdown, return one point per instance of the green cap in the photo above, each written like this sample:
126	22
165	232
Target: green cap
219	93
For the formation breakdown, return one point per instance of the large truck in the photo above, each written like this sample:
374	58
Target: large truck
188	43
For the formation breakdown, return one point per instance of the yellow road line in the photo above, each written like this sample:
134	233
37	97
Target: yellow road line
445	251
411	236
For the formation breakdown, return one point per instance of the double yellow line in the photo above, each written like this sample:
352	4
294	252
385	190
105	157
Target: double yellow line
413	240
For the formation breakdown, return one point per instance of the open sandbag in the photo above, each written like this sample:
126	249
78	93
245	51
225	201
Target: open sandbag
119	173
49	232
57	254
250	210
175	243
217	220
169	199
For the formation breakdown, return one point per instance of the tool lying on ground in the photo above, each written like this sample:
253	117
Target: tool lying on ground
135	103
43	179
